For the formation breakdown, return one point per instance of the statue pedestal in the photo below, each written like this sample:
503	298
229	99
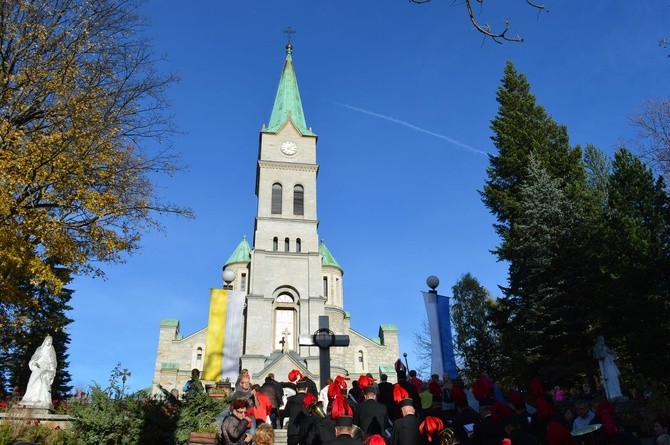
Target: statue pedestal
40	415
37	409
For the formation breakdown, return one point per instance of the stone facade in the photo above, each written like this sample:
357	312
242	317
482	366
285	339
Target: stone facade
289	277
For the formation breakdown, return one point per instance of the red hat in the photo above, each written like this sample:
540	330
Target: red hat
339	384
401	396
458	395
294	375
365	381
375	439
430	427
544	408
536	388
500	410
309	400
340	408
482	389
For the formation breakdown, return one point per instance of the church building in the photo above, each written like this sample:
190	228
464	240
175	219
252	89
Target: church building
288	278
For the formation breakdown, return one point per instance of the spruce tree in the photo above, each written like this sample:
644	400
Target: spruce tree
636	268
520	128
534	187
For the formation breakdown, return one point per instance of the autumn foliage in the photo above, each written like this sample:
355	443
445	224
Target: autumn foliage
82	116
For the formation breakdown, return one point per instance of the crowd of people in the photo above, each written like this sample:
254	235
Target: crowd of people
413	412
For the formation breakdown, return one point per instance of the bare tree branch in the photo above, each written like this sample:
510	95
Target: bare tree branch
496	36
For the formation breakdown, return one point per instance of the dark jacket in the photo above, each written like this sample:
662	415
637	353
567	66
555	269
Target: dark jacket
406	431
296	413
343	439
371	417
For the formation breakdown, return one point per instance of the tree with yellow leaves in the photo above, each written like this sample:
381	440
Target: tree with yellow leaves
81	102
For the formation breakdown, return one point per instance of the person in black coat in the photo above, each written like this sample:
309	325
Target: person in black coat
370	415
343	432
385	396
406	429
296	413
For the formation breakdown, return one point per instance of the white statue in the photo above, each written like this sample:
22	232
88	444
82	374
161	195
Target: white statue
43	367
608	369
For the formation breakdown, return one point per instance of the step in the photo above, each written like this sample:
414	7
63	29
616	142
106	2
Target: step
280	437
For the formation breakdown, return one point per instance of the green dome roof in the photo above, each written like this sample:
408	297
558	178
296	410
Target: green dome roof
327	258
242	253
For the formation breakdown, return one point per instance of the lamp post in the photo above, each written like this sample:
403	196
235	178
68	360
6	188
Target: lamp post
439	323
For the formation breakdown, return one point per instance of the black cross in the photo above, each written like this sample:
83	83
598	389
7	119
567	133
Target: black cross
283	340
289	31
325	339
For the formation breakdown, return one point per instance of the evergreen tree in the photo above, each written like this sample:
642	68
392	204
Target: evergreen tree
546	318
534	189
520	128
636	268
476	343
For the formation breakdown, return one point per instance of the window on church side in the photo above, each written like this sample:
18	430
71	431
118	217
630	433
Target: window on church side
361	360
325	287
298	245
298	200
198	354
243	282
287	245
276	198
275	244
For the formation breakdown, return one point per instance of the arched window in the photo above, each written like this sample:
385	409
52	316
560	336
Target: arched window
197	356
298	200
275	244
285	317
361	360
298	245
325	287
286	245
276	198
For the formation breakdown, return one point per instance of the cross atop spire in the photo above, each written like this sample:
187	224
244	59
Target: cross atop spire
289	32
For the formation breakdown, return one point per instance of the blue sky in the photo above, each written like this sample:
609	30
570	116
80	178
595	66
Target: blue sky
401	96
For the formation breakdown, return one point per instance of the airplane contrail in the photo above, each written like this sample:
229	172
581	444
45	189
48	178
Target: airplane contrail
413	127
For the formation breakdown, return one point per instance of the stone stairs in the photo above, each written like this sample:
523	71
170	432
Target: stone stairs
280	437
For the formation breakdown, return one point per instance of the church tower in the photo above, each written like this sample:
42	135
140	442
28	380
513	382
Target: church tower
286	284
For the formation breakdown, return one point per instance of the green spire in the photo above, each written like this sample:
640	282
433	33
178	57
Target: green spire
327	258
242	253
287	103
